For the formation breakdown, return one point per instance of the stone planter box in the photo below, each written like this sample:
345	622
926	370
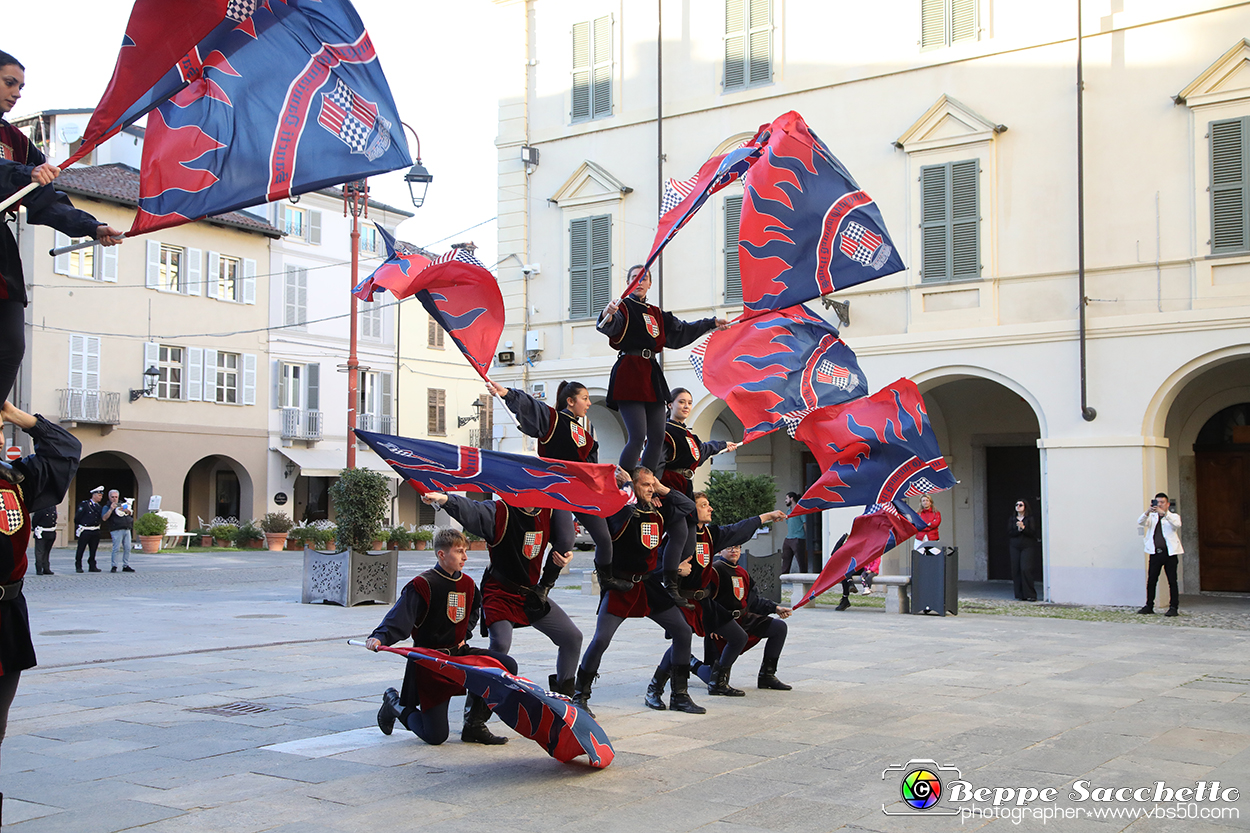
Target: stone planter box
349	578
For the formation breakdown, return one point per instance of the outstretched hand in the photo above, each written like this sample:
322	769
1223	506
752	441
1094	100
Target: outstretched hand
495	388
722	324
108	236
12	413
434	498
44	174
775	515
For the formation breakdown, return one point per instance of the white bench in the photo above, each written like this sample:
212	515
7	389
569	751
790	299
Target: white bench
897	596
175	528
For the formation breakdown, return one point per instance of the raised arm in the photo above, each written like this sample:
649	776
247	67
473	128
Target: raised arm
678	333
533	417
476	516
46	473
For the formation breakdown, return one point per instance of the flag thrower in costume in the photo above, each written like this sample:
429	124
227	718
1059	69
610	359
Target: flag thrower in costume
549	720
776	367
806	228
873	451
882	527
455	289
519	478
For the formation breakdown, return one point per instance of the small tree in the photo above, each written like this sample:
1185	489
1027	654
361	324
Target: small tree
737	496
361	498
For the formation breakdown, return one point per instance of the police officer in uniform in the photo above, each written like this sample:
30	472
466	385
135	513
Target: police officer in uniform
43	523
87	520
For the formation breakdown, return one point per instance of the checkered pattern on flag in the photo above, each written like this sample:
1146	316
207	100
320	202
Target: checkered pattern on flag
345	115
831	374
675	192
860	244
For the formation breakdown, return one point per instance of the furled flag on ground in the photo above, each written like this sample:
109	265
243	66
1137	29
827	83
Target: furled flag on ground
291	100
715	174
806	228
552	722
775	368
872	451
882	527
457	291
520	479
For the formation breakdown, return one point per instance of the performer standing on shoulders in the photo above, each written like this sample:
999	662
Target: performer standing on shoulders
562	436
637	388
512	594
439	610
736	593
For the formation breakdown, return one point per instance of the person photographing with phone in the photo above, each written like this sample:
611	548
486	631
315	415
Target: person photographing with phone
1162	542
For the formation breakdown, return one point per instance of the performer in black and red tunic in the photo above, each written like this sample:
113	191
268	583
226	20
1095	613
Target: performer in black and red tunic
20	164
638	531
564	434
27	485
700	585
439	610
512	595
640	331
736	593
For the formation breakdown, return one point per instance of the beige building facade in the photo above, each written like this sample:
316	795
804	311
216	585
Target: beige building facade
960	119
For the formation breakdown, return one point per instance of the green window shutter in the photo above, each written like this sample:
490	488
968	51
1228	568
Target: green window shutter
579	268
934	224
965	220
733	276
950	221
735	44
963	16
600	263
760	43
601	74
1229	227
581	71
932	23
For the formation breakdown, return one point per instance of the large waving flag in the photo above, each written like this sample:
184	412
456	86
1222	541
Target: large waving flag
457	291
714	175
520	479
289	100
775	368
555	724
806	228
873	451
882	527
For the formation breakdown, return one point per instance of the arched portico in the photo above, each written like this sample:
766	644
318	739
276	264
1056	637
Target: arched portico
217	486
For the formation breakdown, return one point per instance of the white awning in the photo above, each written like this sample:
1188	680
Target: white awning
328	462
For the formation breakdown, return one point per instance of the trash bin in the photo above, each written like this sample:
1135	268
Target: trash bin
935	580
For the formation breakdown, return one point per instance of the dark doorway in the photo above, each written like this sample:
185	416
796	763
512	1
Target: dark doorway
318	506
815	539
227	494
1222	458
1011	473
107	470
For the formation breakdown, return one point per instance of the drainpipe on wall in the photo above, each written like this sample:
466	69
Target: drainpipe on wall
1087	413
659	137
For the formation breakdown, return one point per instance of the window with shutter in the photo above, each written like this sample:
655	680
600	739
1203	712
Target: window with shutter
435	335
80	263
592	69
436	409
371	320
314	387
295	297
748	43
227	383
733	277
950	221
169	363
947	22
590	265
1230	221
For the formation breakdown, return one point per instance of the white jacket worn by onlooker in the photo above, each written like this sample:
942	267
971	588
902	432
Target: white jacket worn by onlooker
1171	526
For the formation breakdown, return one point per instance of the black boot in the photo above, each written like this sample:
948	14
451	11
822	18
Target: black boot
607	581
655	691
845	604
476	713
547	582
679	700
558	686
390	711
581	690
768	677
671	580
720	683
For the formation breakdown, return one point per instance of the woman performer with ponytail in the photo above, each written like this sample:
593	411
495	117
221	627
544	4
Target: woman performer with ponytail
562	435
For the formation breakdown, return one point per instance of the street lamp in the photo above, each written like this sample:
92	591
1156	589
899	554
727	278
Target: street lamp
150	378
418	178
477	407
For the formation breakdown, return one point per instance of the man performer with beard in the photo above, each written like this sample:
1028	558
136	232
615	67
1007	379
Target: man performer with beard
736	593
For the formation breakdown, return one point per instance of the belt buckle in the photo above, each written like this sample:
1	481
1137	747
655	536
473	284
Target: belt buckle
647	354
737	614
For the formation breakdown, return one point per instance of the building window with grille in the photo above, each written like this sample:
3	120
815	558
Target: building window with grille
436	334
733	276
228	278
294	221
371	320
947	22
1230	186
592	69
590	265
368	240
170	365
291	386
950	221
436	409
227	384
748	43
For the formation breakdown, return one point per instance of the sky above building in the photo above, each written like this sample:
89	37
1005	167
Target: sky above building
440	60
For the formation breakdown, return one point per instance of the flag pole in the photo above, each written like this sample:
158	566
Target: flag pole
18	195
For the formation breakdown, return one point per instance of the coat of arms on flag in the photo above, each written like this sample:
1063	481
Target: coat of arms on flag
355	121
650	535
831	374
653	326
864	247
456	607
701	554
579	435
740	587
13	518
533	545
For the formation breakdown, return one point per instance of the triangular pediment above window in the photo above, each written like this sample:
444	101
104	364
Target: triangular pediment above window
1228	79
589	184
946	124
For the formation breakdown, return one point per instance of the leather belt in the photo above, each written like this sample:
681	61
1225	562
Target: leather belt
686	473
8	592
508	584
696	595
737	614
633	577
646	354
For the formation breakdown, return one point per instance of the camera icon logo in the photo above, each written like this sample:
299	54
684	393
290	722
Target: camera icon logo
921	787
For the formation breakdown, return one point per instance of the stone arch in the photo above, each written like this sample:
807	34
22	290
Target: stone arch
1154	421
933	377
199	488
92	472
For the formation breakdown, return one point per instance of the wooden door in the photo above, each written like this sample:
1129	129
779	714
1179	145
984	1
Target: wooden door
1224	520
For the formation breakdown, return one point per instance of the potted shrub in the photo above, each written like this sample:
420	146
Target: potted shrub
223	534
361	500
422	538
475	543
277	525
399	538
300	536
150	528
249	536
323	537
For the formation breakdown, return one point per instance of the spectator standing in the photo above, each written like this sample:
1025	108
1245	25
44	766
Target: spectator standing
794	547
1163	544
119	520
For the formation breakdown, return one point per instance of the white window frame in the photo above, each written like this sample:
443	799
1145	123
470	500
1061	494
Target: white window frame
102	259
295	298
372	323
227	377
171	361
595	72
754	36
947	23
295	221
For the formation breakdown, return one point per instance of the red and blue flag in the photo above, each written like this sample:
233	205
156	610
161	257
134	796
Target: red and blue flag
518	478
806	228
872	451
775	368
280	99
882	527
457	291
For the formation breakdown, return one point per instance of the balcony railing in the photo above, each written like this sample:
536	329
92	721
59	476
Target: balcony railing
298	424
375	423
102	407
